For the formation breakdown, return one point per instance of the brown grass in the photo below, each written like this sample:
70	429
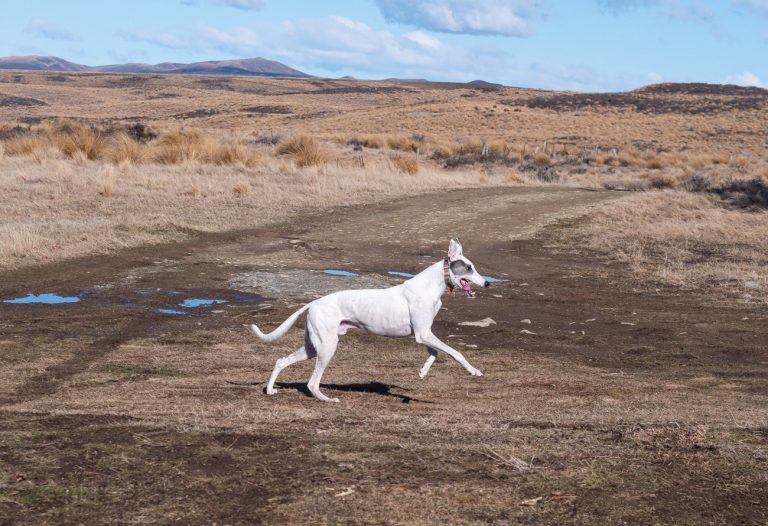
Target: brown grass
121	148
304	150
55	208
404	144
406	164
685	240
84	140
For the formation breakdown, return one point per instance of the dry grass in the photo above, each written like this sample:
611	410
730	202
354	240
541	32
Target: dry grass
406	164
121	148
304	150
685	240
57	208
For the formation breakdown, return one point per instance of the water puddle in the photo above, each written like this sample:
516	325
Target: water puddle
172	312
491	279
336	272
198	302
400	274
46	299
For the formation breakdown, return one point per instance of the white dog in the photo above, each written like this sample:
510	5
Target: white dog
402	310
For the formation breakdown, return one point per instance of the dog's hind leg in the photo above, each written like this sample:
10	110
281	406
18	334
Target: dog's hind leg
325	348
285	361
428	363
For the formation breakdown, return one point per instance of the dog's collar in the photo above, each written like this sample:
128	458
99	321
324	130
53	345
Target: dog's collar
447	274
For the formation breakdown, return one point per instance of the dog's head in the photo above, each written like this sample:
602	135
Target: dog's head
461	272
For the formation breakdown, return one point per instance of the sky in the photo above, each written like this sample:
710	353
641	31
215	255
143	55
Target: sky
582	45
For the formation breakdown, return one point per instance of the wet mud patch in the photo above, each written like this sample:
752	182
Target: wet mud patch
303	284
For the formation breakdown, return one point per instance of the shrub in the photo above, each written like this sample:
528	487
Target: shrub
179	146
305	150
123	148
87	141
406	164
403	144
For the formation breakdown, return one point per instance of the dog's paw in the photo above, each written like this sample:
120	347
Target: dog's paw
272	391
476	372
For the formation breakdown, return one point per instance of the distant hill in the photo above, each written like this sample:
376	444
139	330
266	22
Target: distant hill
248	66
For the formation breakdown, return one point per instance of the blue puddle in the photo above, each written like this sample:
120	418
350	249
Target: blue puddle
335	272
171	311
192	303
46	299
400	274
491	279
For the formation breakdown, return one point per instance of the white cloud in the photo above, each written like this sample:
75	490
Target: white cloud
747	78
333	46
48	29
498	17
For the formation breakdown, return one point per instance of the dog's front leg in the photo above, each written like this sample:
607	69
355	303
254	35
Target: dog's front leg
428	363
433	342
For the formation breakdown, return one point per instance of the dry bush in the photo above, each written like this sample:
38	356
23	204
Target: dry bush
542	157
122	148
406	164
305	150
373	142
663	181
471	146
242	189
233	153
180	146
501	148
741	163
683	239
24	145
82	139
404	144
654	162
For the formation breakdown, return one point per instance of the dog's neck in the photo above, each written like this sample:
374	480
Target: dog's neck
431	281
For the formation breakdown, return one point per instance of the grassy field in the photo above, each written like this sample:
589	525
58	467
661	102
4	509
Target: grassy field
625	374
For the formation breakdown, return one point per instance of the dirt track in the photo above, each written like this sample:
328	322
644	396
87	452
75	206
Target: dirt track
628	403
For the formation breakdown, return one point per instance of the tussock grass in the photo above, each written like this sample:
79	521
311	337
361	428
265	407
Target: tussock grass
122	148
373	142
684	239
86	141
59	208
304	150
406	164
404	144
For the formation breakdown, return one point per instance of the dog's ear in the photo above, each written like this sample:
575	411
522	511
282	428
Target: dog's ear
454	250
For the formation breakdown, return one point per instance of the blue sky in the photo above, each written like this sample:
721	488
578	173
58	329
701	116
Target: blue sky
586	45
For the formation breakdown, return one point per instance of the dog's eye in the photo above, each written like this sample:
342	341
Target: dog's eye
469	268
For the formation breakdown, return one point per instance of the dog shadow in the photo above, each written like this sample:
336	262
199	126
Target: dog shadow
369	387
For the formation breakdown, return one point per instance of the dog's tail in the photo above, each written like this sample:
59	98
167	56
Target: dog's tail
280	331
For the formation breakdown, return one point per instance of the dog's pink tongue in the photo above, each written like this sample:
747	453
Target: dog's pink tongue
466	286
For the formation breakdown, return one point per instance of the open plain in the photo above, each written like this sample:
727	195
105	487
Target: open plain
625	371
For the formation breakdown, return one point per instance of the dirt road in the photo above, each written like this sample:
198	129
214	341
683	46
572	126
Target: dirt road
621	401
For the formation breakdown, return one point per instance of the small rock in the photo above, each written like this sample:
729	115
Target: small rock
590	320
744	318
531	502
486	322
526	331
526	321
627	323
